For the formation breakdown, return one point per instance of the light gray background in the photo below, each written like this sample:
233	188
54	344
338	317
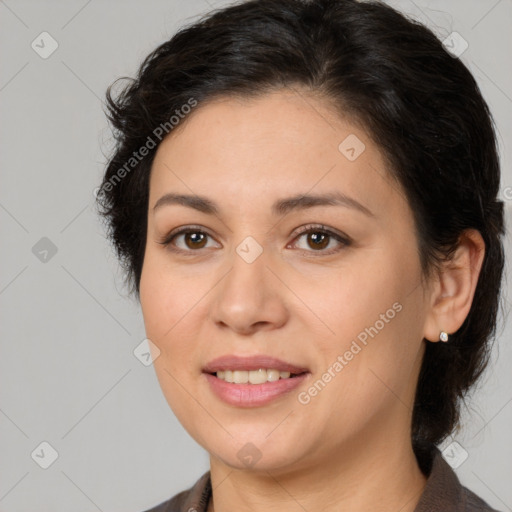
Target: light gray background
68	373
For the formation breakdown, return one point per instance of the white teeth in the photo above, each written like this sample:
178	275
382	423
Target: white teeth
240	376
253	376
272	375
258	376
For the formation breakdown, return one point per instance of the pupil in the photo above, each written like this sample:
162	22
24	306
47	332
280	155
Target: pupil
195	238
319	239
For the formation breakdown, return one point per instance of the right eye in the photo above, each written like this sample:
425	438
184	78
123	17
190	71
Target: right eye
188	239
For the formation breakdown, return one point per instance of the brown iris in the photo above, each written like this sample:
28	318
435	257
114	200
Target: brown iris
195	240
320	240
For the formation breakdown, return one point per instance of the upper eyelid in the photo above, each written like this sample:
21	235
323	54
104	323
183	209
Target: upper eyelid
303	229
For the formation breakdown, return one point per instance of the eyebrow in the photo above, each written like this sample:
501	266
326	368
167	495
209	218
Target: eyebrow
280	207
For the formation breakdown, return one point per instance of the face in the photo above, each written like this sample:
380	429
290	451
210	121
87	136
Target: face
243	271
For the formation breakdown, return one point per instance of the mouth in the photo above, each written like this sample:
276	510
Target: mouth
259	376
252	369
252	381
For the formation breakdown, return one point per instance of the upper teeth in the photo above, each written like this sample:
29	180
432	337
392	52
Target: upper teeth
253	376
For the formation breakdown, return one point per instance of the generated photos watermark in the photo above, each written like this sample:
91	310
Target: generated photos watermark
157	135
305	397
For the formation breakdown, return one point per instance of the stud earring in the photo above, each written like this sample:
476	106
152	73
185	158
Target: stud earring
443	336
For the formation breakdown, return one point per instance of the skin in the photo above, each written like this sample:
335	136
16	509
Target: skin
349	448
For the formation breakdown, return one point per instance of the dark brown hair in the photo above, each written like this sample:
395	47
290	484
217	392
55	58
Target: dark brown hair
389	73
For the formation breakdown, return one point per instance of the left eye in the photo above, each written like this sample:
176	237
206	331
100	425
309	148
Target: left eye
320	239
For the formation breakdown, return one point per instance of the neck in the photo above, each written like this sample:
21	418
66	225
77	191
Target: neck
381	476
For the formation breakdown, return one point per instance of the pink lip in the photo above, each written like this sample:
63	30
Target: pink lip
252	395
231	362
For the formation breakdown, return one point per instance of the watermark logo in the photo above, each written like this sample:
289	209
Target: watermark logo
249	455
455	454
44	45
455	44
146	352
151	142
351	147
44	250
249	249
44	455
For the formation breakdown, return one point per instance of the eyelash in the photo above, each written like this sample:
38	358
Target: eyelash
342	239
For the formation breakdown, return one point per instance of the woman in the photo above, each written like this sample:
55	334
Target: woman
304	197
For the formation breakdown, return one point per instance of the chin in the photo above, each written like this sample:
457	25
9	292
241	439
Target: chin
254	451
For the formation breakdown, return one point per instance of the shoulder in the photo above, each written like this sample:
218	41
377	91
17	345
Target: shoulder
194	499
473	503
444	492
174	504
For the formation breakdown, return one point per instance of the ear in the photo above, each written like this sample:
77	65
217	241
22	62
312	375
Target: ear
454	286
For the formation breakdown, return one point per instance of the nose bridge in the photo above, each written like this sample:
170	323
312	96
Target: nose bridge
249	294
246	280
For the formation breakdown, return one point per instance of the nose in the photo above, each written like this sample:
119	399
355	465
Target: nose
250	297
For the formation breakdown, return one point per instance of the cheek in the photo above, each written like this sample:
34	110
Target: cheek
351	300
374	315
171	307
164	307
166	298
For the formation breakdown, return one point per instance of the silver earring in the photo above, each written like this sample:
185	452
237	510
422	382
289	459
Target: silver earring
443	336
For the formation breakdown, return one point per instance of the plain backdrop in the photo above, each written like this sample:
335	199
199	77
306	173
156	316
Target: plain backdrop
68	374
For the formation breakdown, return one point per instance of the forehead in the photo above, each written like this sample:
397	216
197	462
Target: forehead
278	144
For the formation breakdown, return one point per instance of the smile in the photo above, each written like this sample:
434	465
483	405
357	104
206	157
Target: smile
253	376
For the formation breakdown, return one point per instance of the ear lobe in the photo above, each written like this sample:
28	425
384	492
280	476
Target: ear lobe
454	289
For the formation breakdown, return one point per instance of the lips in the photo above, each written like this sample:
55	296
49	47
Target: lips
252	394
231	362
